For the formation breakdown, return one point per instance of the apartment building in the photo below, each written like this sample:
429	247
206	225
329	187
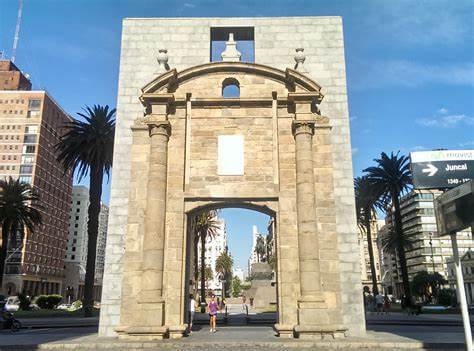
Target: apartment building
30	126
76	248
364	254
428	251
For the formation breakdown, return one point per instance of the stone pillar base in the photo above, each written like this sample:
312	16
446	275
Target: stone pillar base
177	331
142	333
319	332
284	331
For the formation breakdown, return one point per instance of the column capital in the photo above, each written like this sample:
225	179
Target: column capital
303	127
159	128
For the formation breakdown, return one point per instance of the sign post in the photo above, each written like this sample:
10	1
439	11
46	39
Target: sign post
454	212
461	293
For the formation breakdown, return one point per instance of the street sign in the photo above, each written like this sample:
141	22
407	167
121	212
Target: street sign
441	169
454	209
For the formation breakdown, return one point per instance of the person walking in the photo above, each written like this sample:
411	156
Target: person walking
379	300
386	303
212	307
192	310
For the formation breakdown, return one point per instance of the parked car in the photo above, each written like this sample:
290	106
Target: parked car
12	304
64	306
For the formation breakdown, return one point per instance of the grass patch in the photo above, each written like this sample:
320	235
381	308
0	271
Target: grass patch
54	314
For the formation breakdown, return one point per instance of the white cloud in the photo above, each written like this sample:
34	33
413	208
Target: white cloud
443	111
444	120
467	143
424	23
411	74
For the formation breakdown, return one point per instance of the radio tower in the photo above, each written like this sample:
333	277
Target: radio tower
17	30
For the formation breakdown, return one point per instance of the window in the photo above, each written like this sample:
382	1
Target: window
73	257
26	169
31	129
34	104
25	179
244	36
230	88
26	159
30	139
29	149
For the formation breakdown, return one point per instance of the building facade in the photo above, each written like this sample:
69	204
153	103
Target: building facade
76	249
467	267
428	251
215	246
364	254
277	147
30	126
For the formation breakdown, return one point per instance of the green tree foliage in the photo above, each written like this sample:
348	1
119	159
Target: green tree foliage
25	302
236	286
48	301
392	178
204	225
86	147
426	285
18	210
367	199
447	297
224	265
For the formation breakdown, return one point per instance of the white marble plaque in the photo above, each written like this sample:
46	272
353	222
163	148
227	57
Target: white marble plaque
230	155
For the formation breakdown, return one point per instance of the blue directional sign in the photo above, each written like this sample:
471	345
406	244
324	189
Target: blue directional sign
441	169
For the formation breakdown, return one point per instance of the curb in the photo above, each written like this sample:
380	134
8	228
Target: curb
260	346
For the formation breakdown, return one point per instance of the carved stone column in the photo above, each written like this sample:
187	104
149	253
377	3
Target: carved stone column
308	242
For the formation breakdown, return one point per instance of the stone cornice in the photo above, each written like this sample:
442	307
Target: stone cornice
288	77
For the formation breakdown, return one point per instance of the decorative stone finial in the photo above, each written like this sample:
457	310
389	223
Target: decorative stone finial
300	57
231	54
162	59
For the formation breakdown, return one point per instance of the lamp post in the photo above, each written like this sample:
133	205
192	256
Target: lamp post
432	256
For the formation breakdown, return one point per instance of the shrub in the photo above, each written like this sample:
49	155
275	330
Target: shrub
48	301
447	297
76	305
25	302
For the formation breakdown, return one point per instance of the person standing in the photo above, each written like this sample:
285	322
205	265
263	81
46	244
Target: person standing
192	310
379	300
213	307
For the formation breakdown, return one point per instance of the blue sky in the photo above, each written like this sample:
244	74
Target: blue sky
410	66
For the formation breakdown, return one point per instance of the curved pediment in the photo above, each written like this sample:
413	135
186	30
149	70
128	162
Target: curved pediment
290	78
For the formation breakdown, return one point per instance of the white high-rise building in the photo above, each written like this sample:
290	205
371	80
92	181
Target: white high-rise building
215	246
239	272
253	255
76	249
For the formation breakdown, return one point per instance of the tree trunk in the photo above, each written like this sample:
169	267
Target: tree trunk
203	271
95	193
400	248
375	288
3	253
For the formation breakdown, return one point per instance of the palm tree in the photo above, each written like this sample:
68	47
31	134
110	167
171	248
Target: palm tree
367	198
224	266
260	248
393	177
205	225
87	148
17	211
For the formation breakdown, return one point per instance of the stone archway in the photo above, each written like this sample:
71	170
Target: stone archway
269	148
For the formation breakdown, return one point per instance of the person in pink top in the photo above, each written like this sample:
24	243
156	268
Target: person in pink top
212	308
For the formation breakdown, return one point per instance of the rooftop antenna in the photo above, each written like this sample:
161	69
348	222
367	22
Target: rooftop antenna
17	30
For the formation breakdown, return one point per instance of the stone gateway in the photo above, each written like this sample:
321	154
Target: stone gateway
194	133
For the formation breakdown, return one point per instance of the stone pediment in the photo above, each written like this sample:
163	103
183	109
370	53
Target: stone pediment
290	78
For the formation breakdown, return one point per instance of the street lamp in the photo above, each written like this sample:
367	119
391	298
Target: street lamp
432	256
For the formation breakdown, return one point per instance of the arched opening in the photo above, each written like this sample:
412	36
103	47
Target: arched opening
248	294
230	88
